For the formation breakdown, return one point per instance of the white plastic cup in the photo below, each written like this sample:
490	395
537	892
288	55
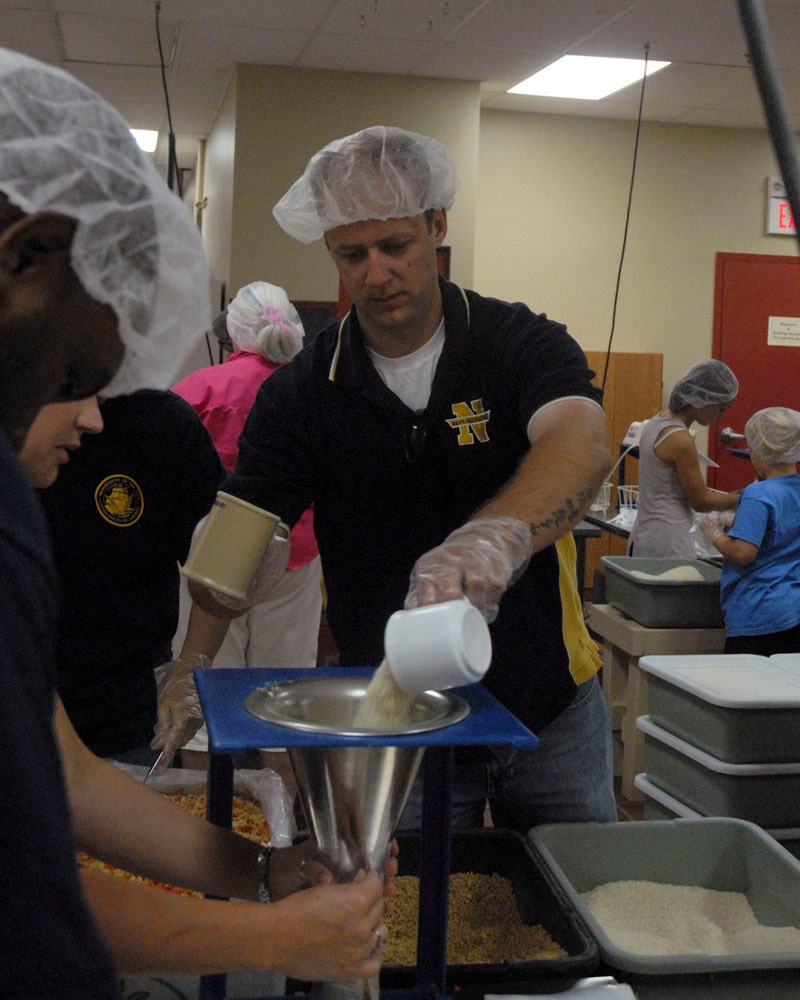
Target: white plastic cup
230	545
437	646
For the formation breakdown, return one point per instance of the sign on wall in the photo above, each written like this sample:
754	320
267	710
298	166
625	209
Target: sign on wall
780	218
783	331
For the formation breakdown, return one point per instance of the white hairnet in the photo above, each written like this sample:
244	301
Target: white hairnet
706	383
378	173
775	434
136	247
261	319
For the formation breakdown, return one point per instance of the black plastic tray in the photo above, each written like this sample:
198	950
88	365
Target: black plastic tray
489	851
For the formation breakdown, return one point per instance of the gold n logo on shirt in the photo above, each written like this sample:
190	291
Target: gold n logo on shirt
470	420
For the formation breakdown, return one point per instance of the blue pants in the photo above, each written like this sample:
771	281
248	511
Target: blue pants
568	778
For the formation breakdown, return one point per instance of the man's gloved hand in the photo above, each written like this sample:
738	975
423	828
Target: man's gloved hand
179	712
712	526
269	571
481	559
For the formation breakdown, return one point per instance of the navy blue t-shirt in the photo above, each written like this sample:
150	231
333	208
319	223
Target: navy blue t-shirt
49	946
121	516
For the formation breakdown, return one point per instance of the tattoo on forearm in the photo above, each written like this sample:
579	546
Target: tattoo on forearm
562	515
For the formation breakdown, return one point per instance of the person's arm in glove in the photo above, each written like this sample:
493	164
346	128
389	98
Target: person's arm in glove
479	560
551	490
739	551
179	712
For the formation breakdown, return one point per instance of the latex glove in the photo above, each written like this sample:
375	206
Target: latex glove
711	525
179	713
481	559
269	571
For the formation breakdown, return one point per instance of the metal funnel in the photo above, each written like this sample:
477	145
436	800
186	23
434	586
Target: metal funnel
352	795
352	798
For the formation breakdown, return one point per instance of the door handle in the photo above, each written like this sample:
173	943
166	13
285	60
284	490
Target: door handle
729	435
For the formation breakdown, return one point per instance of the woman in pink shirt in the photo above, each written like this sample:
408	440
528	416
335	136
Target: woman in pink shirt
282	631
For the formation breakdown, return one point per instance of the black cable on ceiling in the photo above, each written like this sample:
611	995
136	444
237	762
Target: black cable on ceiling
627	217
757	34
174	178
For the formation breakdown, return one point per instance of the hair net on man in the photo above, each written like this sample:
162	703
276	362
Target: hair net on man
774	433
262	320
136	247
381	172
706	383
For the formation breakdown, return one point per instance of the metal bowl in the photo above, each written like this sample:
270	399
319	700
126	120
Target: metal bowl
329	705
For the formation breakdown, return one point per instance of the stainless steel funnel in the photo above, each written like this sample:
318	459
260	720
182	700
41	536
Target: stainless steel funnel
353	798
352	795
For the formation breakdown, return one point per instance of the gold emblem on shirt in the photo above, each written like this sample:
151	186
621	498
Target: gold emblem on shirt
470	420
119	500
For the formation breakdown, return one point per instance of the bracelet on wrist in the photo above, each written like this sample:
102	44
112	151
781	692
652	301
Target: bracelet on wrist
263	873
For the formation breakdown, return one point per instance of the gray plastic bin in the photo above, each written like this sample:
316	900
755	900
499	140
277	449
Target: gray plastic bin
740	708
714	853
660	805
660	602
767	794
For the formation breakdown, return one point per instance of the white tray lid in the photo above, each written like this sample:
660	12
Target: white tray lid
649	728
732	680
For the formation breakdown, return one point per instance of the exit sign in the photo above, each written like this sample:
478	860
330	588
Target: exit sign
780	218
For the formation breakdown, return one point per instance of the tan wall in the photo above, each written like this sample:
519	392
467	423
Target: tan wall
540	214
285	115
551	219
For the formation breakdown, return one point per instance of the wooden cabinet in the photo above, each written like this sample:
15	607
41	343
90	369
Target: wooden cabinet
633	386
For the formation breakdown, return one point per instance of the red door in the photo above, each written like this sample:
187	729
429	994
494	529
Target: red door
753	291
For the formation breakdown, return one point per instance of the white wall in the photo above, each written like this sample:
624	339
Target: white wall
552	199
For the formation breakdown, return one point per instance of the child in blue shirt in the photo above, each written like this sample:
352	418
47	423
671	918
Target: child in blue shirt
760	587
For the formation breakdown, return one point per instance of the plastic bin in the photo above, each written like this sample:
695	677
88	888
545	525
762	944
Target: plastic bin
660	805
714	853
767	794
740	708
656	600
540	900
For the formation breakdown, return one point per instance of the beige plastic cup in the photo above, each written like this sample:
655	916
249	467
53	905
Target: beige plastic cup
437	646
226	553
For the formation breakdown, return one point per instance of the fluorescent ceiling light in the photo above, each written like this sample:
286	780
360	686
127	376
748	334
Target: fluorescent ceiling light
586	77
146	138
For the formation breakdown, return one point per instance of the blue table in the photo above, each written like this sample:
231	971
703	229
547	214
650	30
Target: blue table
232	730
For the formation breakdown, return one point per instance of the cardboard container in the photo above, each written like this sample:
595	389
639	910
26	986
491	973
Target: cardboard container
714	853
660	602
740	708
540	900
767	794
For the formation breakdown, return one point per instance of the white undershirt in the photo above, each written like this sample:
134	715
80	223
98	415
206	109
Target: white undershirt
411	376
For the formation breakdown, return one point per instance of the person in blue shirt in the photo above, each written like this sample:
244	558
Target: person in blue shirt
760	586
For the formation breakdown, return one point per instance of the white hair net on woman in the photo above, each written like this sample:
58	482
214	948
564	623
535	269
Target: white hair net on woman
136	247
262	320
378	173
775	434
706	383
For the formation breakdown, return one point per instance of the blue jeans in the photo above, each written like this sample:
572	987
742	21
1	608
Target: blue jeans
568	778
